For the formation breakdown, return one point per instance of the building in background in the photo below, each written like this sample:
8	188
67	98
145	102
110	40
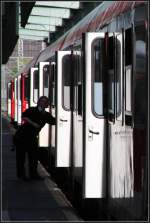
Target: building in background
23	52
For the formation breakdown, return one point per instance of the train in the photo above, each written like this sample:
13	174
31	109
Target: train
96	77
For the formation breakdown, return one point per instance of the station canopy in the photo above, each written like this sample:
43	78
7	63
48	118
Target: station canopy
45	17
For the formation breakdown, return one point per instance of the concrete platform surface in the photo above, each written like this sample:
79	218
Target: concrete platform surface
31	200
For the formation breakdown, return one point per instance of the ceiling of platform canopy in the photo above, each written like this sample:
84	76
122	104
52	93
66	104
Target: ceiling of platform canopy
46	17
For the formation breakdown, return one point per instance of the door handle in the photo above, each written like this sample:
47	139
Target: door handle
91	131
63	120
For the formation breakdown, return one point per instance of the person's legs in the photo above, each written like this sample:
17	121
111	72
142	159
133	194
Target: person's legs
33	161
20	161
33	158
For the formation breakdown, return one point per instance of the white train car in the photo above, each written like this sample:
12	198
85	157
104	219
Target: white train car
96	78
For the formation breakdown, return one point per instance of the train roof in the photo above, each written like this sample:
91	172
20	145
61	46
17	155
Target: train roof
96	19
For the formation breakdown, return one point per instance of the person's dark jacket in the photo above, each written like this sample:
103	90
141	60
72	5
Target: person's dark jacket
27	133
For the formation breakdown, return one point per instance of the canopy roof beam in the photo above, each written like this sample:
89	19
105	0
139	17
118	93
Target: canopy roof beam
51	12
59	4
40	27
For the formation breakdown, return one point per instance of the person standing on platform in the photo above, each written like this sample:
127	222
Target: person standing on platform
25	139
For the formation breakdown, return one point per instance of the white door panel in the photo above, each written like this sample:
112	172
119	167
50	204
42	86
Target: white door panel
121	161
44	135
94	133
9	99
19	101
53	130
63	120
15	99
78	142
32	103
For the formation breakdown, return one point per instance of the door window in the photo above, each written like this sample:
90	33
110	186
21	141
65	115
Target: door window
97	74
66	80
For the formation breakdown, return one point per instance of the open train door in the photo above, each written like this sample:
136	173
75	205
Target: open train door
19	100
63	113
43	90
34	86
9	99
15	99
94	171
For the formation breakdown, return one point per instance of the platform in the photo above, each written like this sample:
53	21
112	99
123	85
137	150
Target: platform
31	200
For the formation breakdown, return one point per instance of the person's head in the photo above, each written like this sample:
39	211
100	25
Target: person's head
43	102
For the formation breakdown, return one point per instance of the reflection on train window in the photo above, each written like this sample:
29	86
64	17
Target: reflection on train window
118	76
97	86
27	87
35	86
46	80
66	77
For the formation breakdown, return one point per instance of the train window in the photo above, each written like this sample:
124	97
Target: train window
128	76
66	77
9	91
128	47
52	96
36	86
140	90
128	90
111	79
27	88
79	84
46	80
118	77
97	83
20	89
16	89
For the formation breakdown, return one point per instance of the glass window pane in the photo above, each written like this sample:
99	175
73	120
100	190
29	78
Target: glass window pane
52	96
66	76
35	86
9	91
118	77
128	90
27	87
98	76
111	91
46	80
111	79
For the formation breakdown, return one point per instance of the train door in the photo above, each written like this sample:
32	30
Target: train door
52	103
44	90
25	91
19	100
77	113
63	113
34	86
16	99
94	116
9	99
12	101
120	135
